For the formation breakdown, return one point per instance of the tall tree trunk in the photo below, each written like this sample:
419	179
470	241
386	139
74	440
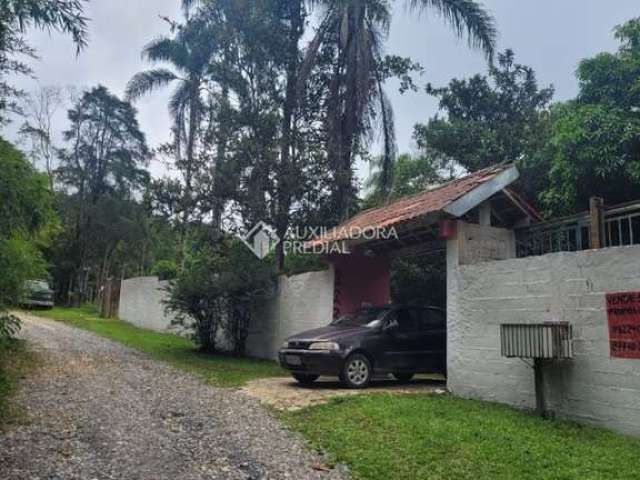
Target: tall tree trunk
217	206
286	170
352	108
191	140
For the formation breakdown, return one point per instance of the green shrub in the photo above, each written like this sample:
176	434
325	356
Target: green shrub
26	216
165	269
217	291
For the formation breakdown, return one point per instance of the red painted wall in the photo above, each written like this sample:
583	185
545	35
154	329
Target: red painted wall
359	280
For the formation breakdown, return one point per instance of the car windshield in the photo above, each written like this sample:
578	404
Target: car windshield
37	285
365	317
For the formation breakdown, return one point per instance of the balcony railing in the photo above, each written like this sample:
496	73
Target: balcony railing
621	227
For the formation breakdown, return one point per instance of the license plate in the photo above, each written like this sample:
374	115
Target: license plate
293	360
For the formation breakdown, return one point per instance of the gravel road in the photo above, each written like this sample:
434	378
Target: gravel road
98	410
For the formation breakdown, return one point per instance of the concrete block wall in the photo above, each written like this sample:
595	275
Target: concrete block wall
302	302
592	387
480	243
141	303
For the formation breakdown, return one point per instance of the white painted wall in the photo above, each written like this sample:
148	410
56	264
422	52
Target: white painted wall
592	387
141	303
303	302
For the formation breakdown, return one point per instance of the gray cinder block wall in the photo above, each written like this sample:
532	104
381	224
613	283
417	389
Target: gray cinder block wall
592	387
302	302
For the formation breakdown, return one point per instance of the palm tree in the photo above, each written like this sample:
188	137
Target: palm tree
357	29
189	53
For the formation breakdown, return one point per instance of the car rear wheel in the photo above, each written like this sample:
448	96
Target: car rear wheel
403	377
305	378
357	371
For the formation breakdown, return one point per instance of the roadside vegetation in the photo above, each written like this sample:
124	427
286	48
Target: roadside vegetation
180	352
272	106
441	437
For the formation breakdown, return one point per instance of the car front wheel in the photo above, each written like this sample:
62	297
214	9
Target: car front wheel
305	378
356	372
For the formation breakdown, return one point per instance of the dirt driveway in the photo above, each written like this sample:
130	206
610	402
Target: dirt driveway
287	394
98	410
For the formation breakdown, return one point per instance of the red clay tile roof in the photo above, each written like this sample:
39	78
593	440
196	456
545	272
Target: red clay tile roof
408	208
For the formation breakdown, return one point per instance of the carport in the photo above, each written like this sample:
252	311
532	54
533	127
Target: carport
426	223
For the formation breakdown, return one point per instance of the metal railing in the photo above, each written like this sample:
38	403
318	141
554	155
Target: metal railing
570	234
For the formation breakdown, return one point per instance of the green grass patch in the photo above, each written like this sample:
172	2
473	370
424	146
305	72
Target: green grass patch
442	437
16	360
182	353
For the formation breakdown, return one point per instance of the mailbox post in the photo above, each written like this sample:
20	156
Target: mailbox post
540	342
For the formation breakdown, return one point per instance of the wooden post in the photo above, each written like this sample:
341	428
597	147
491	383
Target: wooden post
541	407
596	219
105	305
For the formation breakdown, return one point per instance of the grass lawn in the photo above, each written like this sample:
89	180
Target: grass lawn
442	437
15	361
182	353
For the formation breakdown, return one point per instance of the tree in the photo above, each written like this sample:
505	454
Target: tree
16	16
357	31
241	164
594	151
25	217
39	110
594	147
502	117
218	290
106	151
409	175
102	167
330	93
190	53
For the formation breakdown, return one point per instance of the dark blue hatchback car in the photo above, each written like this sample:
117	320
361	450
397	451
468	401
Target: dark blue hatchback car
398	339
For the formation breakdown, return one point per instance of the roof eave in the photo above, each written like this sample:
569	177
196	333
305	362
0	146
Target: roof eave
482	192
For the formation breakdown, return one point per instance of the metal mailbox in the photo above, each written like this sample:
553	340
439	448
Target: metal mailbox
542	342
549	340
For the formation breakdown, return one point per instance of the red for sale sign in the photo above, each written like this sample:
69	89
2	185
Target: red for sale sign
623	312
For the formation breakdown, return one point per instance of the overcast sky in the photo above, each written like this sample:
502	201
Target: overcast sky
549	35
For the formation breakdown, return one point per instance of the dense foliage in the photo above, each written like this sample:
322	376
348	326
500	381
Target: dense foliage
273	103
26	218
101	173
408	175
502	117
266	128
567	152
217	292
594	147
